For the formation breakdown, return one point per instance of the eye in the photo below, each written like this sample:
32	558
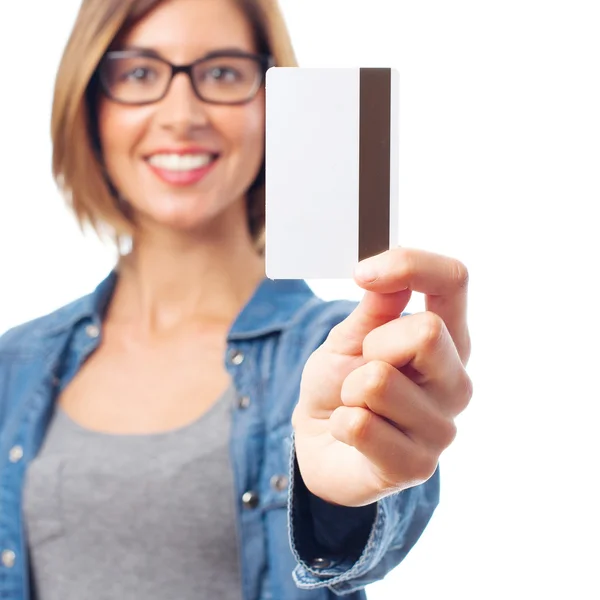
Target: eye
141	74
224	74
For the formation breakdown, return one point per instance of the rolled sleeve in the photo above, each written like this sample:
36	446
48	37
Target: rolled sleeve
346	549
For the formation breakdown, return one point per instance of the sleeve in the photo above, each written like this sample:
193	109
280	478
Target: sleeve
346	549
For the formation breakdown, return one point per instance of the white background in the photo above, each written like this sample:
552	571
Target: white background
500	153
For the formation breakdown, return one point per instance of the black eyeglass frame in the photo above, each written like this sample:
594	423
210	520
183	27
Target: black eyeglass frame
264	60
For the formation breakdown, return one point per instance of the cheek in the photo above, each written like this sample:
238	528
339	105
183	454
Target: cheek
257	121
247	133
120	129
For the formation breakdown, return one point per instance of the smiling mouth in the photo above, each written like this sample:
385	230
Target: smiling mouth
181	162
181	169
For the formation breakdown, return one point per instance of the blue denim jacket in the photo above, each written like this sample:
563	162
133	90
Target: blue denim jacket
293	546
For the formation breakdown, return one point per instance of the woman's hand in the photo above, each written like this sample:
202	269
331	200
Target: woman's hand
379	397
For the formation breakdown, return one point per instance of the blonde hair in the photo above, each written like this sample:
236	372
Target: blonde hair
76	162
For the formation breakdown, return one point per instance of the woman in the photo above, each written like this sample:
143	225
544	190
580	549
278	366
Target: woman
146	429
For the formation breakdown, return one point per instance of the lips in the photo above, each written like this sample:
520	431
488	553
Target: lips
181	167
180	162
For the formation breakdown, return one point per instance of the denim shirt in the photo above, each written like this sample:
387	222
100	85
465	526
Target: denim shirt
293	546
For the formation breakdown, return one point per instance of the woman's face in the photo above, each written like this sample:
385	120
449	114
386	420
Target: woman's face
155	154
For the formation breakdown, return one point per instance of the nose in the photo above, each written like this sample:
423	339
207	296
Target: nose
181	111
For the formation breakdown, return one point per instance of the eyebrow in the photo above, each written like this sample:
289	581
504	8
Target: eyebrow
232	50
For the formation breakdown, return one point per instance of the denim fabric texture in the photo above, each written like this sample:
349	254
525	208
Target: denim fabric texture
293	546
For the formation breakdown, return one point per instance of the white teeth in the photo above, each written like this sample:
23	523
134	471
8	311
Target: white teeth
180	162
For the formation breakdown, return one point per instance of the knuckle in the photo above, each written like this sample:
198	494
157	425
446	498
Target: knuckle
460	275
334	333
359	426
465	392
400	261
350	393
468	388
339	336
448	432
431	328
407	261
375	379
423	466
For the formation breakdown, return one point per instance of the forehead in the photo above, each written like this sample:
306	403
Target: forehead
183	30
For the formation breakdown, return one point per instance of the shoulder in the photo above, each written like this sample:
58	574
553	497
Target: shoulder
30	337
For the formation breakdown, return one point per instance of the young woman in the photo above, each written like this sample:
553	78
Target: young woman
192	429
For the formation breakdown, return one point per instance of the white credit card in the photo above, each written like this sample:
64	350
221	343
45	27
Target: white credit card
331	169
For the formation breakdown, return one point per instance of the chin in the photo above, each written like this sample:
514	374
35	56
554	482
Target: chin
187	211
185	222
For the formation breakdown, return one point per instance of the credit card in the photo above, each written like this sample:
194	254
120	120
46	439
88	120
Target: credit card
331	169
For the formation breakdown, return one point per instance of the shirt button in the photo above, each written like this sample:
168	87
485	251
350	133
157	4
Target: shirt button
320	563
237	357
8	559
279	483
250	500
15	454
92	331
244	402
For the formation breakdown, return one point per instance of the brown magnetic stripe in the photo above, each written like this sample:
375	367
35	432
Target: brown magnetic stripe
374	162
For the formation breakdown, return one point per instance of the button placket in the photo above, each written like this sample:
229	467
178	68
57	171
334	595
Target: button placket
15	454
279	483
250	499
8	558
236	357
244	402
92	331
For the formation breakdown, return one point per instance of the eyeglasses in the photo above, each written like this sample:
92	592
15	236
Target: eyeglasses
139	77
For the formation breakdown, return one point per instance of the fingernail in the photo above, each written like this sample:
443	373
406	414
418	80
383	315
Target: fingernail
366	270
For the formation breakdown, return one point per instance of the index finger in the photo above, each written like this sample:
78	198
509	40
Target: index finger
442	279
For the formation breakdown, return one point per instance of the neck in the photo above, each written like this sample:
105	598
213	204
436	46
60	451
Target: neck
172	279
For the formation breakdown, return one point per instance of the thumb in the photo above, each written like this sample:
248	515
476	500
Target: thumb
375	309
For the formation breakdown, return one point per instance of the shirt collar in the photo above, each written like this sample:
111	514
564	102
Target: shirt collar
269	309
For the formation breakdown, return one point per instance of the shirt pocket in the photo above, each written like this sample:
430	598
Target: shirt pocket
42	506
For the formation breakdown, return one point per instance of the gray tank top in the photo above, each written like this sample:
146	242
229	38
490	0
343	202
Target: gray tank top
134	516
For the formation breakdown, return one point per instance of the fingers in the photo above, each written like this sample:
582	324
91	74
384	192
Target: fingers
388	393
398	426
420	346
373	310
389	280
401	268
442	279
395	458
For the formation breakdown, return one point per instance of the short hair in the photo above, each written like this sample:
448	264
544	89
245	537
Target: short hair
77	164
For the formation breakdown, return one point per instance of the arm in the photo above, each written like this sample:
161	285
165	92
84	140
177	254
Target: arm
345	548
377	406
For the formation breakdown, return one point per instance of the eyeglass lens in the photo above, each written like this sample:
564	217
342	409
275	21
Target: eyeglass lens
140	79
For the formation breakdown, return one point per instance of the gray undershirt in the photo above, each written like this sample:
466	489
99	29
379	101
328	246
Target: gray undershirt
134	516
